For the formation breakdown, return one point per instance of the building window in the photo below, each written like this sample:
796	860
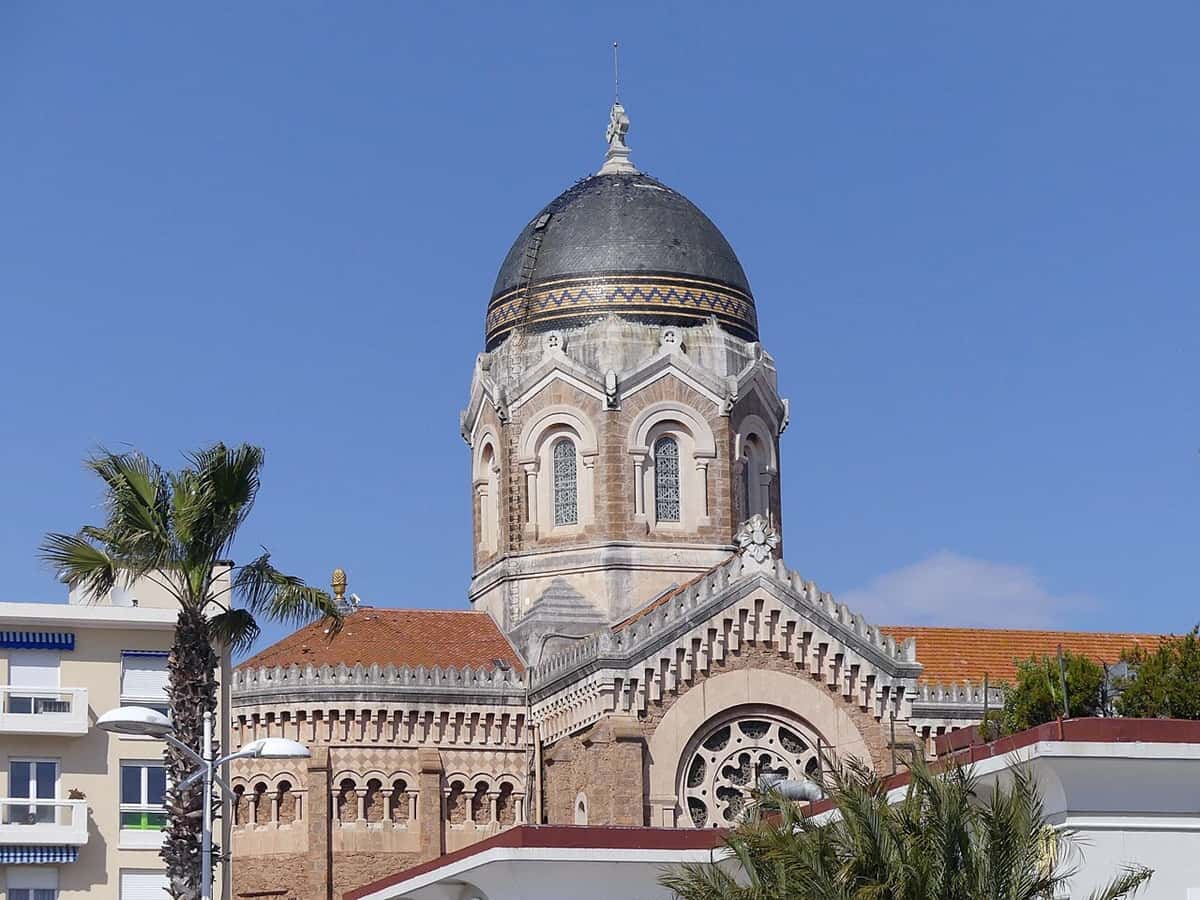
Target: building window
33	683
32	780
488	491
733	754
144	885
143	792
144	679
566	498
32	883
20	893
666	480
753	499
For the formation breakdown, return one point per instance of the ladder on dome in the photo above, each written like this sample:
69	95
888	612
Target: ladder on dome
516	347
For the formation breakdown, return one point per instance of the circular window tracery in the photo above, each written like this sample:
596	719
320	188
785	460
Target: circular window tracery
733	754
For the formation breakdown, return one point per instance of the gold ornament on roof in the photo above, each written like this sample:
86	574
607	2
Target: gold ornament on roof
338	583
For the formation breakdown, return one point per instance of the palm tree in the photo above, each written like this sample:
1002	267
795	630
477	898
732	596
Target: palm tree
941	841
176	529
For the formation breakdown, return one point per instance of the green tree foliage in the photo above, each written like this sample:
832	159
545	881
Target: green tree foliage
1036	698
946	839
177	529
1166	681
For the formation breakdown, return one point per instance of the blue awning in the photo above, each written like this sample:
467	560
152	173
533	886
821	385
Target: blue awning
34	855
37	640
151	653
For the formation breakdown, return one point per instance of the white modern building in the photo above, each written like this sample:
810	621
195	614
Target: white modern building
81	811
1129	790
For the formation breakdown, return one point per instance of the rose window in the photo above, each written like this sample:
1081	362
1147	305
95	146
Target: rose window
726	764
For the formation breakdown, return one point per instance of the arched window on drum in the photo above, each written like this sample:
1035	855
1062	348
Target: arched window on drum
666	479
566	482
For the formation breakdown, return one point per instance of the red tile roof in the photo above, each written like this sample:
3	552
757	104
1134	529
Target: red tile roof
962	654
402	637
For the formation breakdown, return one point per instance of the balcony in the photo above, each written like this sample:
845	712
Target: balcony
43	710
36	823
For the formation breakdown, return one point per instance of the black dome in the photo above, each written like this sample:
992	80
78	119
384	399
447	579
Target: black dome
623	243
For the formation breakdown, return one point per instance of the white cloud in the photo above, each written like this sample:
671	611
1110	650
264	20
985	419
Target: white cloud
948	589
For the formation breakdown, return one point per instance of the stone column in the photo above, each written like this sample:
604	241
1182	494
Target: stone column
429	804
702	493
385	795
412	808
531	497
318	877
639	485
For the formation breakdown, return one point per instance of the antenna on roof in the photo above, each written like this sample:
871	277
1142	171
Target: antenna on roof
616	78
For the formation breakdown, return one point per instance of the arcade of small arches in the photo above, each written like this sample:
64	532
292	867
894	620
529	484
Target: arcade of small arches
483	800
267	801
376	800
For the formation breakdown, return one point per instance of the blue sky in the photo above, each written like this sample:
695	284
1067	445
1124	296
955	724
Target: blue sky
972	234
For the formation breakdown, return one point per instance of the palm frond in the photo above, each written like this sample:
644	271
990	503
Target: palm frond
138	530
1129	882
265	591
223	486
941	839
235	629
80	562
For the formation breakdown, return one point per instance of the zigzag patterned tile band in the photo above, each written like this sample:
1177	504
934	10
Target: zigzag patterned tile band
648	297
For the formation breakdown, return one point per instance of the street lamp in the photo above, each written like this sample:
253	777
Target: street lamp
145	722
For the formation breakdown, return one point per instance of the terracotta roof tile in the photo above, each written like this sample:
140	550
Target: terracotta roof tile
402	637
960	654
667	596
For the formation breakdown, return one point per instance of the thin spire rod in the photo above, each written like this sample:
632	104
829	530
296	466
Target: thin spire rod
616	77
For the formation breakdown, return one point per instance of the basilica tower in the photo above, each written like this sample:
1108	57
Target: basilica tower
623	418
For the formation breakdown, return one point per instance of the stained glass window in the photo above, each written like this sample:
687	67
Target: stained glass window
566	503
666	480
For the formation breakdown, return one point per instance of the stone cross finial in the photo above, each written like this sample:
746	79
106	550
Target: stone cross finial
616	160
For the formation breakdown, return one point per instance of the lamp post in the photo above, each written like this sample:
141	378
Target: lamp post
145	722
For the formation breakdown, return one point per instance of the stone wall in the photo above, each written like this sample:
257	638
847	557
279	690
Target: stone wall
602	768
350	824
610	764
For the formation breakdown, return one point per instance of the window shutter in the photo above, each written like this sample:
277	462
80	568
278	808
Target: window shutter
144	677
33	669
33	878
144	885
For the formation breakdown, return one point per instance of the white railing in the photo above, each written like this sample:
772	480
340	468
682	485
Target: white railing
40	822
43	710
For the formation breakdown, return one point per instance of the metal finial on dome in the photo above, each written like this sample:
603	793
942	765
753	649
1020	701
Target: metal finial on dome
616	160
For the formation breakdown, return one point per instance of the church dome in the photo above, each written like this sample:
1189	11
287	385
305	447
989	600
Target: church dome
620	242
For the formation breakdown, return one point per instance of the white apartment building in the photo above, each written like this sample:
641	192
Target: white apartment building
81	810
